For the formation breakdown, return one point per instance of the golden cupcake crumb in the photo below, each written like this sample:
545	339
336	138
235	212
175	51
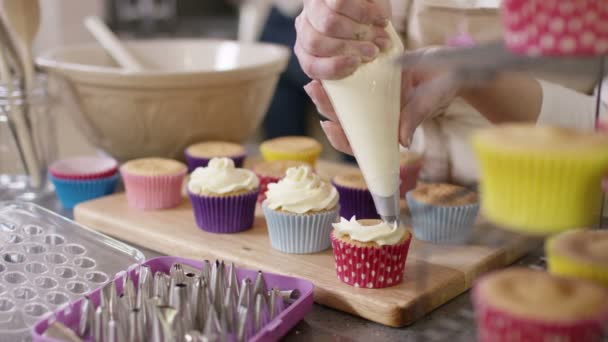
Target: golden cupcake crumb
291	144
445	195
276	168
214	149
585	246
370	222
154	167
351	179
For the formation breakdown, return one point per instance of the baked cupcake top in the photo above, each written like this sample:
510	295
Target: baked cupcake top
409	158
531	138
445	195
291	144
215	149
539	295
371	232
276	168
585	246
154	167
301	191
221	177
351	179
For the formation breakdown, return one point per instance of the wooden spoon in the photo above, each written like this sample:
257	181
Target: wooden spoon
112	44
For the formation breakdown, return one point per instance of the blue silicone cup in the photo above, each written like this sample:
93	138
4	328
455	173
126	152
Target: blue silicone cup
73	192
442	224
300	233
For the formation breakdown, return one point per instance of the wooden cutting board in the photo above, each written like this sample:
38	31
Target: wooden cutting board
434	273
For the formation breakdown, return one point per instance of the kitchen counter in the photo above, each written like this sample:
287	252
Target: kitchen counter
453	321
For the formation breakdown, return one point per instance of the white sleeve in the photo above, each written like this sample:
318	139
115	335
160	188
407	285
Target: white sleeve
565	107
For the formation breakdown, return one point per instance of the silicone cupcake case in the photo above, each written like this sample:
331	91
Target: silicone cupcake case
47	261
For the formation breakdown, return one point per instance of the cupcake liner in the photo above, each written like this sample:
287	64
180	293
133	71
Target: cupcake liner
540	193
153	192
409	177
300	233
432	223
73	192
494	325
356	202
309	157
224	215
194	162
556	28
569	267
370	267
264	181
83	168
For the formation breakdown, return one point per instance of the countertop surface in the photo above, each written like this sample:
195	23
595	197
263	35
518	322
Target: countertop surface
453	321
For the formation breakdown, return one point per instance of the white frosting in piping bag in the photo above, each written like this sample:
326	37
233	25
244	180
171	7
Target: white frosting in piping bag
301	191
368	106
382	233
221	177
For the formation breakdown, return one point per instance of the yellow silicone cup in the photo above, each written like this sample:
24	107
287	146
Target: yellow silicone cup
560	264
540	192
307	156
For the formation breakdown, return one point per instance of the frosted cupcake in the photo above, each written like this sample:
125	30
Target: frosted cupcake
153	183
291	148
299	211
541	180
355	198
271	172
519	304
442	212
581	254
223	197
199	155
410	165
370	253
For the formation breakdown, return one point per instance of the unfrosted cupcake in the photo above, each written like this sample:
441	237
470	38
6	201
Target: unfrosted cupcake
223	197
299	211
291	148
541	180
271	172
370	253
442	212
153	183
355	198
410	165
580	254
199	155
519	304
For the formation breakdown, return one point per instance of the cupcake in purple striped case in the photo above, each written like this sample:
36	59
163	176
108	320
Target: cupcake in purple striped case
223	196
199	155
355	198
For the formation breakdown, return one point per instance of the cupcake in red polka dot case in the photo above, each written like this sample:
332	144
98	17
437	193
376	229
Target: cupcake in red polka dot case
370	253
556	27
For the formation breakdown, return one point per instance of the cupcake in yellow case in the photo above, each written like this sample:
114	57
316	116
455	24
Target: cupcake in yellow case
520	304
291	148
580	254
299	211
541	180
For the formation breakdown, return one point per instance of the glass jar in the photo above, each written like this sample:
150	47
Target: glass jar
28	141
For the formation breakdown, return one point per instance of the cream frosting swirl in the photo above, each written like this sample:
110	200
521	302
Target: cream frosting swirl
301	191
221	177
381	233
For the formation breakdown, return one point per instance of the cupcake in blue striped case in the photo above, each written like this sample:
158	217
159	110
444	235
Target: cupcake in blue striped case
74	191
442	213
300	210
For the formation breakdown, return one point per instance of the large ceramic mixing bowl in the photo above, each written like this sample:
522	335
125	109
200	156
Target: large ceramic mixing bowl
191	91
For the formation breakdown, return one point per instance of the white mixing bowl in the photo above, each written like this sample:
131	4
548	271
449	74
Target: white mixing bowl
191	91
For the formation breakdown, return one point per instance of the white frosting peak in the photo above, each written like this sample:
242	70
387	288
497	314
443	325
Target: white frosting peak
221	177
381	233
301	191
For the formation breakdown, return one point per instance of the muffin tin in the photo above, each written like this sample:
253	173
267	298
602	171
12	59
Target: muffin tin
47	261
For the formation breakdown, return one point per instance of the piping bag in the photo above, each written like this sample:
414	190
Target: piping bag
368	106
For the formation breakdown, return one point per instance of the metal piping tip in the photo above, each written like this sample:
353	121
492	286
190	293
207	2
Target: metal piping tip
166	317
115	332
129	293
101	318
87	317
290	296
218	284
277	304
233	280
137	328
228	315
110	297
193	336
203	302
177	273
245	293
178	299
206	271
152	321
260	286
388	207
212	325
60	332
244	323
260	314
161	287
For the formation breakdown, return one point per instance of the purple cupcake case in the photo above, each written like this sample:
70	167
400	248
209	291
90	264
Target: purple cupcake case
224	215
356	202
194	162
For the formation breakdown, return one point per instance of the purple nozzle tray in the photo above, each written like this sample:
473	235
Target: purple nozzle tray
273	331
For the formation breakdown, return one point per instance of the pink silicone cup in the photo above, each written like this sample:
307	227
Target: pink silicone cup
85	168
153	192
556	27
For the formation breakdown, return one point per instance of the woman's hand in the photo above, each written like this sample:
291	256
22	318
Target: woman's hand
335	36
423	94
